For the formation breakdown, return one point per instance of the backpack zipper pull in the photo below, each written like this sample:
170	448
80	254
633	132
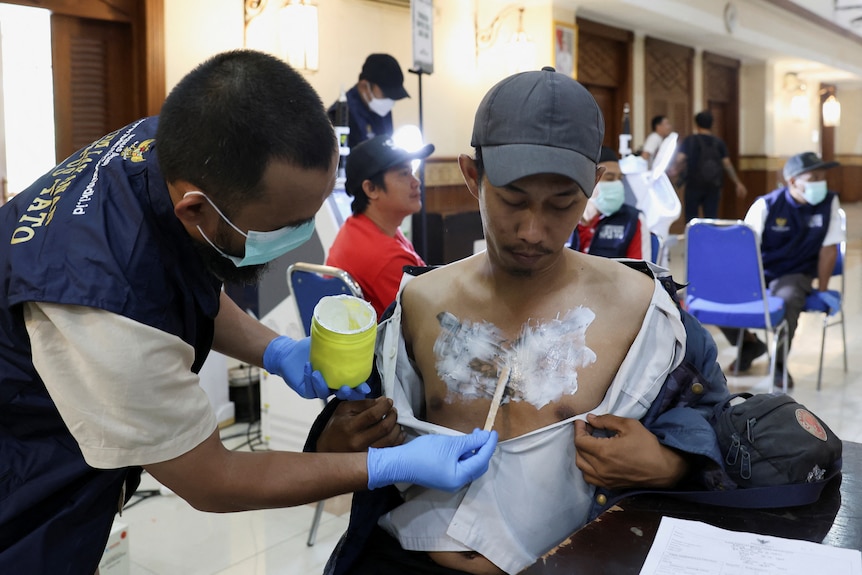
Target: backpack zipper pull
748	425
745	466
733	452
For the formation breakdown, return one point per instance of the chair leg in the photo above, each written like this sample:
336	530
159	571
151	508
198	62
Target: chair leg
843	340
784	363
315	523
738	352
822	348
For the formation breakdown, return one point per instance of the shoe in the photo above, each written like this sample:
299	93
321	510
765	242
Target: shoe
751	350
776	380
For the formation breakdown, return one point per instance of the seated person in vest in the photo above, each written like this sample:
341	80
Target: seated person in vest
370	245
579	345
800	230
609	227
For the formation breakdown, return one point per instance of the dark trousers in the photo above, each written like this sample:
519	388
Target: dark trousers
696	197
793	289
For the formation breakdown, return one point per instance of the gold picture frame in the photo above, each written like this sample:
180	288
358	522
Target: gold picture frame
565	38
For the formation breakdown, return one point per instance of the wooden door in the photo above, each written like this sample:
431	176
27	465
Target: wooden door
669	83
669	71
605	69
92	81
721	92
108	65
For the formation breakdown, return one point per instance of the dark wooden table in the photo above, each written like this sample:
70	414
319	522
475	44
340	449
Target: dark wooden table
618	541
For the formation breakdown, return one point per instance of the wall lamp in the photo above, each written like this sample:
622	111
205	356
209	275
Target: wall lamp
831	109
521	49
800	109
297	31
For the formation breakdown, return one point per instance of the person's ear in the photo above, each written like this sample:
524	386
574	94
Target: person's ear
370	189
600	171
470	174
189	208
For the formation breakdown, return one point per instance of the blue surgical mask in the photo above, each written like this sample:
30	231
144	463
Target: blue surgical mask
815	192
610	197
262	247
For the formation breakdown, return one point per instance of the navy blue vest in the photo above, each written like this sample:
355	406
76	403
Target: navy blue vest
364	123
614	233
97	231
793	234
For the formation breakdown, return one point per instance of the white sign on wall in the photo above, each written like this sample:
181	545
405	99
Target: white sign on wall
422	17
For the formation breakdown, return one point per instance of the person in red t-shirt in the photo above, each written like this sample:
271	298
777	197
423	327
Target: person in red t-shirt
370	245
609	227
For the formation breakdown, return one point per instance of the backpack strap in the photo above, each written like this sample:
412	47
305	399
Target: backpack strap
789	495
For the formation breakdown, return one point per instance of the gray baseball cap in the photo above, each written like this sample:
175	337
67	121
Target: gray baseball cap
541	122
805	162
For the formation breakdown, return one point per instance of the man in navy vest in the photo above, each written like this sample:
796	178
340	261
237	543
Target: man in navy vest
799	231
609	227
371	99
112	265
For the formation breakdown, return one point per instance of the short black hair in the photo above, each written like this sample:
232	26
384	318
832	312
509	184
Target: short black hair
656	120
704	119
608	155
233	114
360	200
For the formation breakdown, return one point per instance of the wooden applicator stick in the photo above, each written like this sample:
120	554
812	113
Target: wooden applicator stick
498	397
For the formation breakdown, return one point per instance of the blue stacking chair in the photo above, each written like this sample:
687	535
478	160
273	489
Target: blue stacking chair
657	246
724	273
814	304
308	284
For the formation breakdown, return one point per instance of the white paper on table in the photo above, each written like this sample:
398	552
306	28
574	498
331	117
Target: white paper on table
690	547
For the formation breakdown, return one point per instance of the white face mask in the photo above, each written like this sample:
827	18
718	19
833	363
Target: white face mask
815	192
381	106
610	198
261	247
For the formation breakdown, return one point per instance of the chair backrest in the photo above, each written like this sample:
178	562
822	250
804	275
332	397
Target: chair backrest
838	270
723	263
655	244
311	282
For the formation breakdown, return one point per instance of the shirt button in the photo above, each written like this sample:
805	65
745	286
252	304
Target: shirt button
601	498
697	387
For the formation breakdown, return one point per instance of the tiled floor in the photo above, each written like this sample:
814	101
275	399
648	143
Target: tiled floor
168	537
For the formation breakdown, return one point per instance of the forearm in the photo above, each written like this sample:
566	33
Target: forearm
212	478
239	335
825	266
731	173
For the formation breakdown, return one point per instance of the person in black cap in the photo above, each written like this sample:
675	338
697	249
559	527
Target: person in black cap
574	343
370	245
800	229
370	100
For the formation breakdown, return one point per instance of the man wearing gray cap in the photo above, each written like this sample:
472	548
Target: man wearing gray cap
544	344
800	229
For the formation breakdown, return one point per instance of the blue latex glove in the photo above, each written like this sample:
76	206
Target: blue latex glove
831	301
288	358
435	461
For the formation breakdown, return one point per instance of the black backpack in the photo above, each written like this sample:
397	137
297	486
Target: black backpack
705	169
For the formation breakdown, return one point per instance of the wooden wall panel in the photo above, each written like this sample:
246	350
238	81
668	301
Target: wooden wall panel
668	85
605	69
